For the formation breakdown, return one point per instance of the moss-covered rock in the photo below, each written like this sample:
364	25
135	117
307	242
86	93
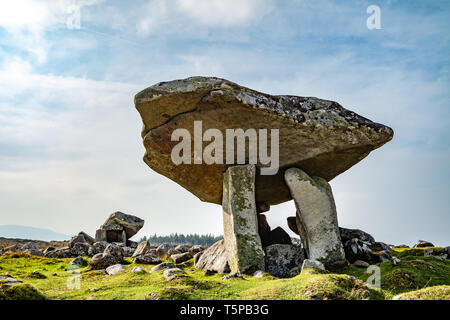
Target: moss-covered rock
20	291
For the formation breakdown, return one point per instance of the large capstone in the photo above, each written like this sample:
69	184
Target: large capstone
119	227
319	136
316	217
241	238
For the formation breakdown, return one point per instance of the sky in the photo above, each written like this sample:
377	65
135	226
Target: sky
70	145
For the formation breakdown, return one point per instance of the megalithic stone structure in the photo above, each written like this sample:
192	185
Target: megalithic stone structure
316	217
240	223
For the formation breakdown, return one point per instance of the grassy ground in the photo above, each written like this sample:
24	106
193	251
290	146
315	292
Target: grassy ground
417	277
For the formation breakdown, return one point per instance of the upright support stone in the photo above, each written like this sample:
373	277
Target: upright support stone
240	223
316	217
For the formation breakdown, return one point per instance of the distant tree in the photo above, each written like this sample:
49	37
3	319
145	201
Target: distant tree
175	238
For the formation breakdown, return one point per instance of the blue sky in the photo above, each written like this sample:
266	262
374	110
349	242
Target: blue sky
70	147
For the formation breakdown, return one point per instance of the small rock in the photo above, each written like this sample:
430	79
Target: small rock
163	250
10	280
428	252
181	257
351	277
171	274
138	270
280	259
29	245
34	252
258	274
396	261
162	266
102	261
78	261
48	249
87	237
312	264
117	268
423	244
361	264
235	275
182	248
147	259
143	248
80	249
116	251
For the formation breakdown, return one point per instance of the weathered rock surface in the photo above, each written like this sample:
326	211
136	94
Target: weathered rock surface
147	258
102	261
142	248
316	217
97	247
214	258
80	249
312	264
348	234
423	244
162	266
280	259
173	273
241	238
116	268
115	251
163	250
319	136
181	257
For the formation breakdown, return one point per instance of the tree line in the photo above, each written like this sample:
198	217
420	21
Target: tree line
175	238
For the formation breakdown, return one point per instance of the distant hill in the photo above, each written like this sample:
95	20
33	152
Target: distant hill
23	232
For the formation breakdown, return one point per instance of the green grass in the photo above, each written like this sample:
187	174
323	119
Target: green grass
413	274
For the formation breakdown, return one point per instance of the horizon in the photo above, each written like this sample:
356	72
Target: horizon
70	145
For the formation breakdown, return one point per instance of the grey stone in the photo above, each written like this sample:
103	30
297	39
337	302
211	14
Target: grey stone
162	266
34	252
181	257
128	252
423	244
48	249
102	261
147	258
361	264
258	274
9	281
196	249
241	238
30	245
214	258
97	247
182	248
80	249
396	261
163	250
78	261
235	275
428	252
280	259
142	248
100	235
316	217
87	237
173	273
317	135
116	251
77	239
116	268
138	270
349	234
312	264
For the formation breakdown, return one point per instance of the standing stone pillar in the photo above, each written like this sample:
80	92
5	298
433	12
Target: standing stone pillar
316	217
240	223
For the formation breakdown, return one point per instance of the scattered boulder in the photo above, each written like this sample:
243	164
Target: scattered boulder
162	266
356	249
280	259
147	258
78	261
138	270
349	234
423	244
29	245
116	251
116	268
258	274
77	239
312	264
86	237
361	264
235	275
196	249
380	246
48	249
163	250
64	252
173	273
142	248
128	252
102	261
182	248
80	249
97	247
34	252
173	251
396	261
12	248
214	258
181	257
